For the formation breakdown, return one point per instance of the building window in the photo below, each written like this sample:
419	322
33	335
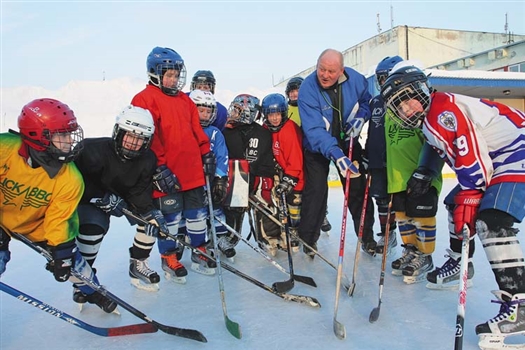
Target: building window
520	67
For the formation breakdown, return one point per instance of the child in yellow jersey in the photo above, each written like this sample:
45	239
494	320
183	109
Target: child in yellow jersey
40	188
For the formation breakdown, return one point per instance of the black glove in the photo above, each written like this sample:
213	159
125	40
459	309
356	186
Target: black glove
63	260
419	183
110	204
219	189
286	185
209	163
165	181
157	223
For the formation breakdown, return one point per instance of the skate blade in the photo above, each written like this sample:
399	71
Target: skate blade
116	311
80	306
415	279
170	277
326	233
497	342
148	287
448	286
397	272
202	270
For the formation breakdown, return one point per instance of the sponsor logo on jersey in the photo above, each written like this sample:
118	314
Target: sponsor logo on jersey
33	196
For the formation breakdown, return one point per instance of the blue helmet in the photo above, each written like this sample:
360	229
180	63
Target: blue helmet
383	69
274	103
160	60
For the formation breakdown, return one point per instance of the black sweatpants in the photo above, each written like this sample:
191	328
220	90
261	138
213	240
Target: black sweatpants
315	197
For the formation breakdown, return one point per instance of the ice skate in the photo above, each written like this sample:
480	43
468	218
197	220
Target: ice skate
141	276
202	264
103	302
227	247
417	269
399	264
79	298
310	253
173	269
326	227
392	243
369	247
510	321
447	276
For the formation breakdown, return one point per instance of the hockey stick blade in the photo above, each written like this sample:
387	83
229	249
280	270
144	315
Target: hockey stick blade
301	299
374	314
284	286
339	330
140	328
180	332
305	279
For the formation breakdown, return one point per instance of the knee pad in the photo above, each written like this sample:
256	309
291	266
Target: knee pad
496	219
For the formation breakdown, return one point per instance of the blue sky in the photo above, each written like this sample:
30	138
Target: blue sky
245	43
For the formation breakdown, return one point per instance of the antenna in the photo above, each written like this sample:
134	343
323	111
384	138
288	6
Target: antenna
391	17
378	25
506	23
103	75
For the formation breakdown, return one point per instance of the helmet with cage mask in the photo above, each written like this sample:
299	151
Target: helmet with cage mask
133	132
203	77
207	100
161	61
274	103
244	109
48	125
293	84
407	93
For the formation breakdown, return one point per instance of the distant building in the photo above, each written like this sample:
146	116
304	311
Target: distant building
479	64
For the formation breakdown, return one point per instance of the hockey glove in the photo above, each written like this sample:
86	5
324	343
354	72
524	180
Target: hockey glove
219	189
466	209
110	204
165	181
419	183
286	185
63	260
342	162
209	164
354	126
157	223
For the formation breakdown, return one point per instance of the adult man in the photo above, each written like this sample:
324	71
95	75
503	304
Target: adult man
482	141
40	188
327	101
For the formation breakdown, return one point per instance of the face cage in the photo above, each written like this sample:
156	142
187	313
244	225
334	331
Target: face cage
213	116
245	115
380	79
410	92
284	118
156	79
74	145
193	85
127	154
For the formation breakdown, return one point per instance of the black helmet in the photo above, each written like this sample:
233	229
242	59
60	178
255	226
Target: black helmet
203	77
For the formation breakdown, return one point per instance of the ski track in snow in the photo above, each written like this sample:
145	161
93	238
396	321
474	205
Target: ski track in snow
412	316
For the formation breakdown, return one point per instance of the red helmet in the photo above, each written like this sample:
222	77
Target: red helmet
43	118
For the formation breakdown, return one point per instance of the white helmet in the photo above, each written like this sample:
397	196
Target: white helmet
205	99
137	123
